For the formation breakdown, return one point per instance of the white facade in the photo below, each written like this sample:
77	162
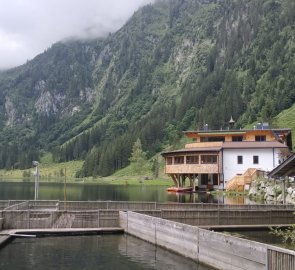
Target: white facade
268	158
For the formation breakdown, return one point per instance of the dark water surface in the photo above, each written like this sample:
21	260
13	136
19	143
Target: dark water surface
263	236
90	252
94	192
95	252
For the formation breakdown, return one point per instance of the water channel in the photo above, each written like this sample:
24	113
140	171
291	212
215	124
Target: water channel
90	252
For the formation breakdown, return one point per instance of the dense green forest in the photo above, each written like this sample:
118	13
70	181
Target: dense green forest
175	65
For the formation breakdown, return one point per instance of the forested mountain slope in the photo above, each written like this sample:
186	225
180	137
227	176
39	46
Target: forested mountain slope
174	65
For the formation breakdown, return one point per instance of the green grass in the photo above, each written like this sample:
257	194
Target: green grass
47	170
111	180
50	171
286	119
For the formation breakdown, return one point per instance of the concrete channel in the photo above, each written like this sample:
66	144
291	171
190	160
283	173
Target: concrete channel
177	227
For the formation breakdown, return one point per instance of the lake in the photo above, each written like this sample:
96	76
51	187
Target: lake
96	252
92	252
94	192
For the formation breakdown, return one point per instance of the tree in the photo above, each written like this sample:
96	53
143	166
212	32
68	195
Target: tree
138	157
155	167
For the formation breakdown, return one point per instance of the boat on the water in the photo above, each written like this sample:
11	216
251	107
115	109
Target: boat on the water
180	189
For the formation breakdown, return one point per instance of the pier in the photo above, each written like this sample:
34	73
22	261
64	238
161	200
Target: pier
183	228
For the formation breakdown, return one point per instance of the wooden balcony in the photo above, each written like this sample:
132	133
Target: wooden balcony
191	168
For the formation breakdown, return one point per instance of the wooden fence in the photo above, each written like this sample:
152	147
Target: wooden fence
280	259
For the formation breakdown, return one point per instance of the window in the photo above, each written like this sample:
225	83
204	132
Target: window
179	160
192	159
204	179
237	138
213	139
255	160
260	138
240	159
208	159
215	179
169	160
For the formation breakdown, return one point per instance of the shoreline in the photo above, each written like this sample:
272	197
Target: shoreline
98	181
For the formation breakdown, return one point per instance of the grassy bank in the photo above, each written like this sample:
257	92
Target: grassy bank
47	171
133	181
55	172
286	119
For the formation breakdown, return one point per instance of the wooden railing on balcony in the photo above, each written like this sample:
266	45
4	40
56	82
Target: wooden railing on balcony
238	182
191	168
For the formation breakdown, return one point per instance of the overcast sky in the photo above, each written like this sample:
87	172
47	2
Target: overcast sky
28	27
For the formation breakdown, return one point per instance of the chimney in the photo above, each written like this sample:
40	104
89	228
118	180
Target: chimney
231	123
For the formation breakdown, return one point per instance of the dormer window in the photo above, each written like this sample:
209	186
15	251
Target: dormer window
213	139
260	138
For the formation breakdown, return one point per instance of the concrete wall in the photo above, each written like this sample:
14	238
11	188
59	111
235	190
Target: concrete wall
3	204
211	248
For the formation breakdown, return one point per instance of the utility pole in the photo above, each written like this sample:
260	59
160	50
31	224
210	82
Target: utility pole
65	190
36	164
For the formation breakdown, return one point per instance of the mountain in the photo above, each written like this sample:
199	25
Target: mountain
176	64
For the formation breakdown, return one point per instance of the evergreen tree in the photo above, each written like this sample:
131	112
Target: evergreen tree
155	167
138	158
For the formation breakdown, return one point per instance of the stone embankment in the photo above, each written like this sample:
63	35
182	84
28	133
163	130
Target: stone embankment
273	191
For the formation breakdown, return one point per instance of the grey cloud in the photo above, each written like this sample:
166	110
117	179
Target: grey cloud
28	27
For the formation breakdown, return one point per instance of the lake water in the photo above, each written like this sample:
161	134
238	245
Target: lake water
90	252
93	192
95	252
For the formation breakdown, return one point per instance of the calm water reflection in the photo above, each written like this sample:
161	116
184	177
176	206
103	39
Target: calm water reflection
88	192
90	252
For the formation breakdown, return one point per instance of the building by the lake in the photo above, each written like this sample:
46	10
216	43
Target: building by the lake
216	158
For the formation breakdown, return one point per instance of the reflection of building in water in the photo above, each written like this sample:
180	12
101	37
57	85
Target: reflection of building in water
155	257
204	197
194	197
183	197
235	200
